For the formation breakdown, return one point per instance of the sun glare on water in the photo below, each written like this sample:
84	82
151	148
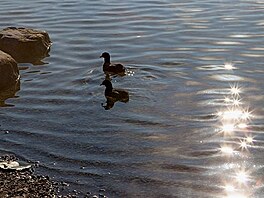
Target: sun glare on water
229	66
237	139
227	150
235	90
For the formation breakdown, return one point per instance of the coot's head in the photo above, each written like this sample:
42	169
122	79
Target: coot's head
105	55
107	84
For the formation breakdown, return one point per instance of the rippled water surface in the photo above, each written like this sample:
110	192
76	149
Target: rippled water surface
193	126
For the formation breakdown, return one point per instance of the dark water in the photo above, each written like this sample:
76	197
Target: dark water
194	124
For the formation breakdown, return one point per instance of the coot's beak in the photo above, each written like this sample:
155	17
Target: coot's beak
101	84
101	56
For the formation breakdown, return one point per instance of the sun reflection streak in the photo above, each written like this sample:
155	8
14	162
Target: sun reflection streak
233	191
246	115
236	115
229	66
232	114
229	188
242	125
227	100
239	186
235	90
250	140
234	126
242	177
237	102
236	195
243	145
228	128
227	150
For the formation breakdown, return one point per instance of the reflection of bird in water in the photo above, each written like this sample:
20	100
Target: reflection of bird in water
108	67
113	95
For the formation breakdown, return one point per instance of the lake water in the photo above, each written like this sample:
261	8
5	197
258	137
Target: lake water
194	124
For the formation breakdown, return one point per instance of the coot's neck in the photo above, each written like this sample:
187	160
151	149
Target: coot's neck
108	90
106	63
107	60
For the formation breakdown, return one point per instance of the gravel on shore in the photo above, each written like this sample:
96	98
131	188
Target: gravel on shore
25	184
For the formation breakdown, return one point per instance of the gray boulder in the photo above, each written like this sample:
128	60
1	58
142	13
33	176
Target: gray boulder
9	73
25	45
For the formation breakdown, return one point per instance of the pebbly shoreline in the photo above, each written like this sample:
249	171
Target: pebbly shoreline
24	183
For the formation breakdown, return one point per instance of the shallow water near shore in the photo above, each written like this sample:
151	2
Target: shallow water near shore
193	126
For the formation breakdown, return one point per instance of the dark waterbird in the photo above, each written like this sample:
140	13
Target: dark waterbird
108	67
113	95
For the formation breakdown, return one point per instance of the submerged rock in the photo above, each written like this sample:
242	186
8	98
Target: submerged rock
8	93
9	74
25	45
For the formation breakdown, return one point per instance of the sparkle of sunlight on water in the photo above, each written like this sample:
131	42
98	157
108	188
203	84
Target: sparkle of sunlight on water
234	126
193	126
